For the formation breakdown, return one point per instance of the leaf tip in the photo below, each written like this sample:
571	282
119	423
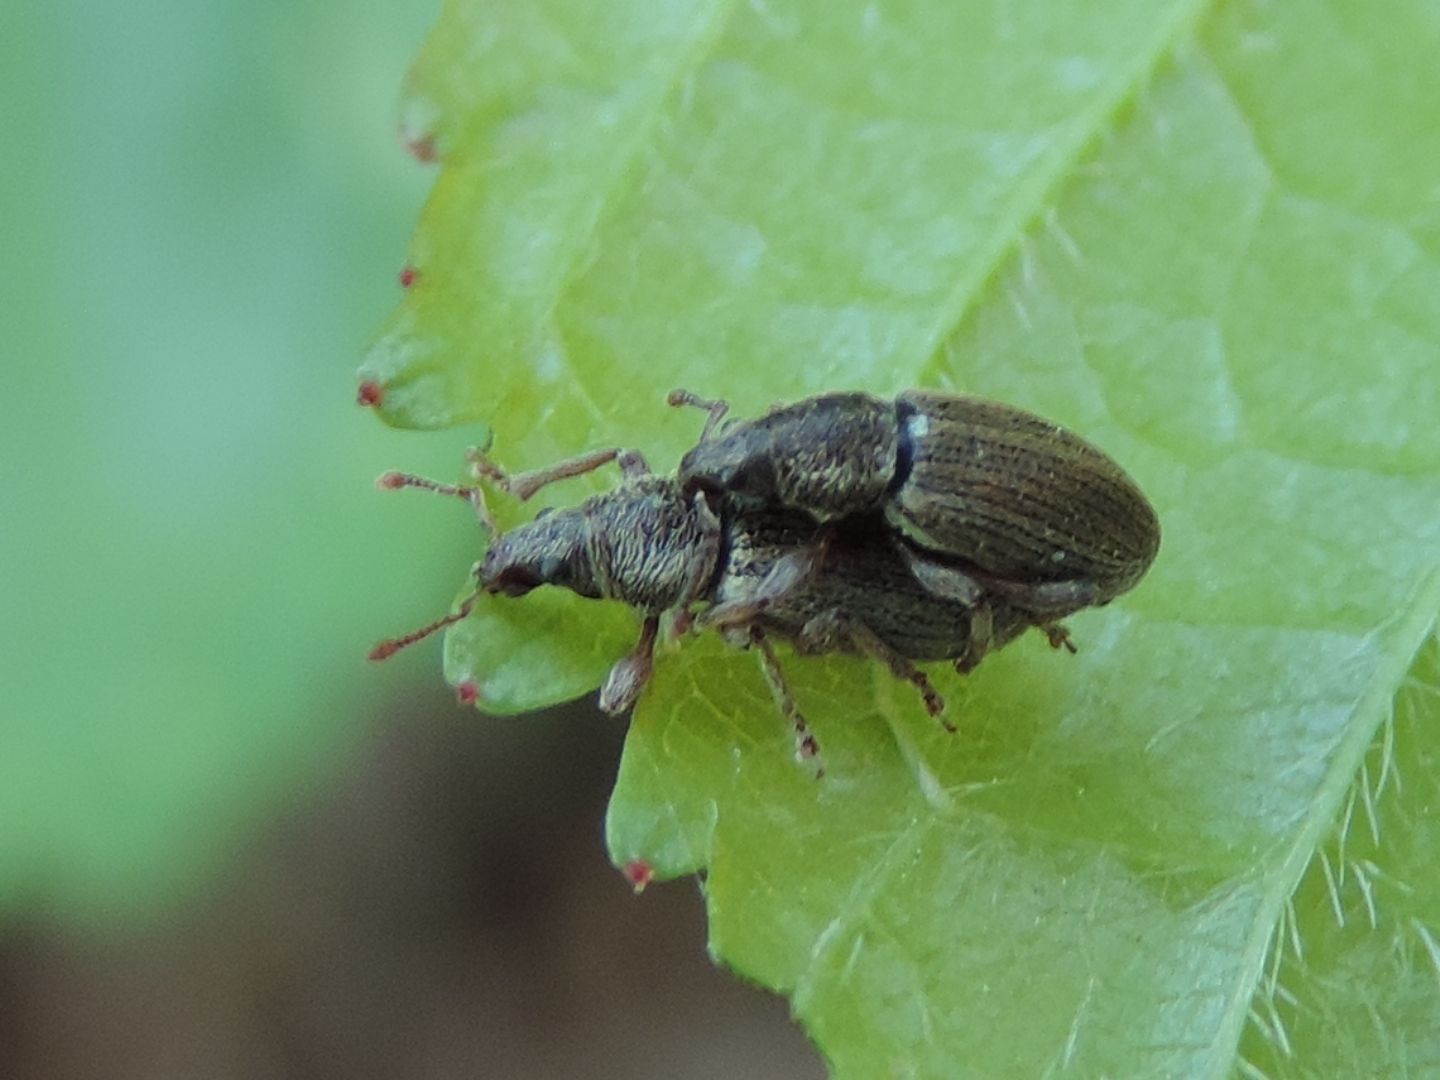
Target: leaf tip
369	394
639	873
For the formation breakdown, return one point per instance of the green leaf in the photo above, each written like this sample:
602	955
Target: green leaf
1206	238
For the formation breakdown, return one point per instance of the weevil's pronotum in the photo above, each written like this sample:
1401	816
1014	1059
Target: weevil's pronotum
754	572
987	499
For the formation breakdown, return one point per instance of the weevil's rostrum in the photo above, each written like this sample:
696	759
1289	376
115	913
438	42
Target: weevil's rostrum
932	527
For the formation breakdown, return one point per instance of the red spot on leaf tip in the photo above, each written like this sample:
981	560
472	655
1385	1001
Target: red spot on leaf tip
467	692
408	276
421	147
370	393
639	873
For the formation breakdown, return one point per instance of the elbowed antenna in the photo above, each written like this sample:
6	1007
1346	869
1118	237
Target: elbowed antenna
390	646
471	493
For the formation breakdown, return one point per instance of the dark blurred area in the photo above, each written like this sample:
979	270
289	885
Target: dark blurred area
440	906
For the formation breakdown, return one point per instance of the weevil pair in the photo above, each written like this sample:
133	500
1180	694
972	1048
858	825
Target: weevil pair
930	527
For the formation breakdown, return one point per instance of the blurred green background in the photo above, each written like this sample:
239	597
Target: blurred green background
228	845
210	203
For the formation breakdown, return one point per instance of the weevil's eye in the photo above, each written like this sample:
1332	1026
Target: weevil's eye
514	581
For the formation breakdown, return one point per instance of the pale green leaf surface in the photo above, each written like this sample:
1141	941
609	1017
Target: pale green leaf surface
1206	238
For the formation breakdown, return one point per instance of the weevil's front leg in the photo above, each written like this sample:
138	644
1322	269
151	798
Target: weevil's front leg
789	573
835	629
717	409
702	566
524	485
630	674
805	744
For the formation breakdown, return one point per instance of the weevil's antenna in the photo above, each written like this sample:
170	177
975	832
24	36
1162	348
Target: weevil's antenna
390	646
471	493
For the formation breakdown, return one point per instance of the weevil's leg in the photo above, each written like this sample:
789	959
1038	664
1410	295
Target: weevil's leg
630	674
946	582
1059	637
805	744
826	631
523	485
704	556
717	409
1047	600
982	635
788	574
471	493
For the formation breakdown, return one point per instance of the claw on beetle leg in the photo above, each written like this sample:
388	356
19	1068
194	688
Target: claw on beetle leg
1059	637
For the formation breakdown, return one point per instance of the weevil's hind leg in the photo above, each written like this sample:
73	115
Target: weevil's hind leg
630	674
717	409
828	631
805	744
524	485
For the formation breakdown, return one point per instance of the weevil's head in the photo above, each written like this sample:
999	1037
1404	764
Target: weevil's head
551	550
739	462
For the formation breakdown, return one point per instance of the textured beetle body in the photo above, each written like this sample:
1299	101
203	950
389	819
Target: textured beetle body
644	543
988	498
851	577
755	571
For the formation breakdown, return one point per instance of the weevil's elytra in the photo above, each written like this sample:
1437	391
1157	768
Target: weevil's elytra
1017	495
988	496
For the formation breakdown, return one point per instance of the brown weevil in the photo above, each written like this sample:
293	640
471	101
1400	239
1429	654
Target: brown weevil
986	499
753	572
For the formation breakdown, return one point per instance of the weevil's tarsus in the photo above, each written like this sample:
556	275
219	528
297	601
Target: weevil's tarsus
389	647
806	746
1059	637
629	676
716	408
